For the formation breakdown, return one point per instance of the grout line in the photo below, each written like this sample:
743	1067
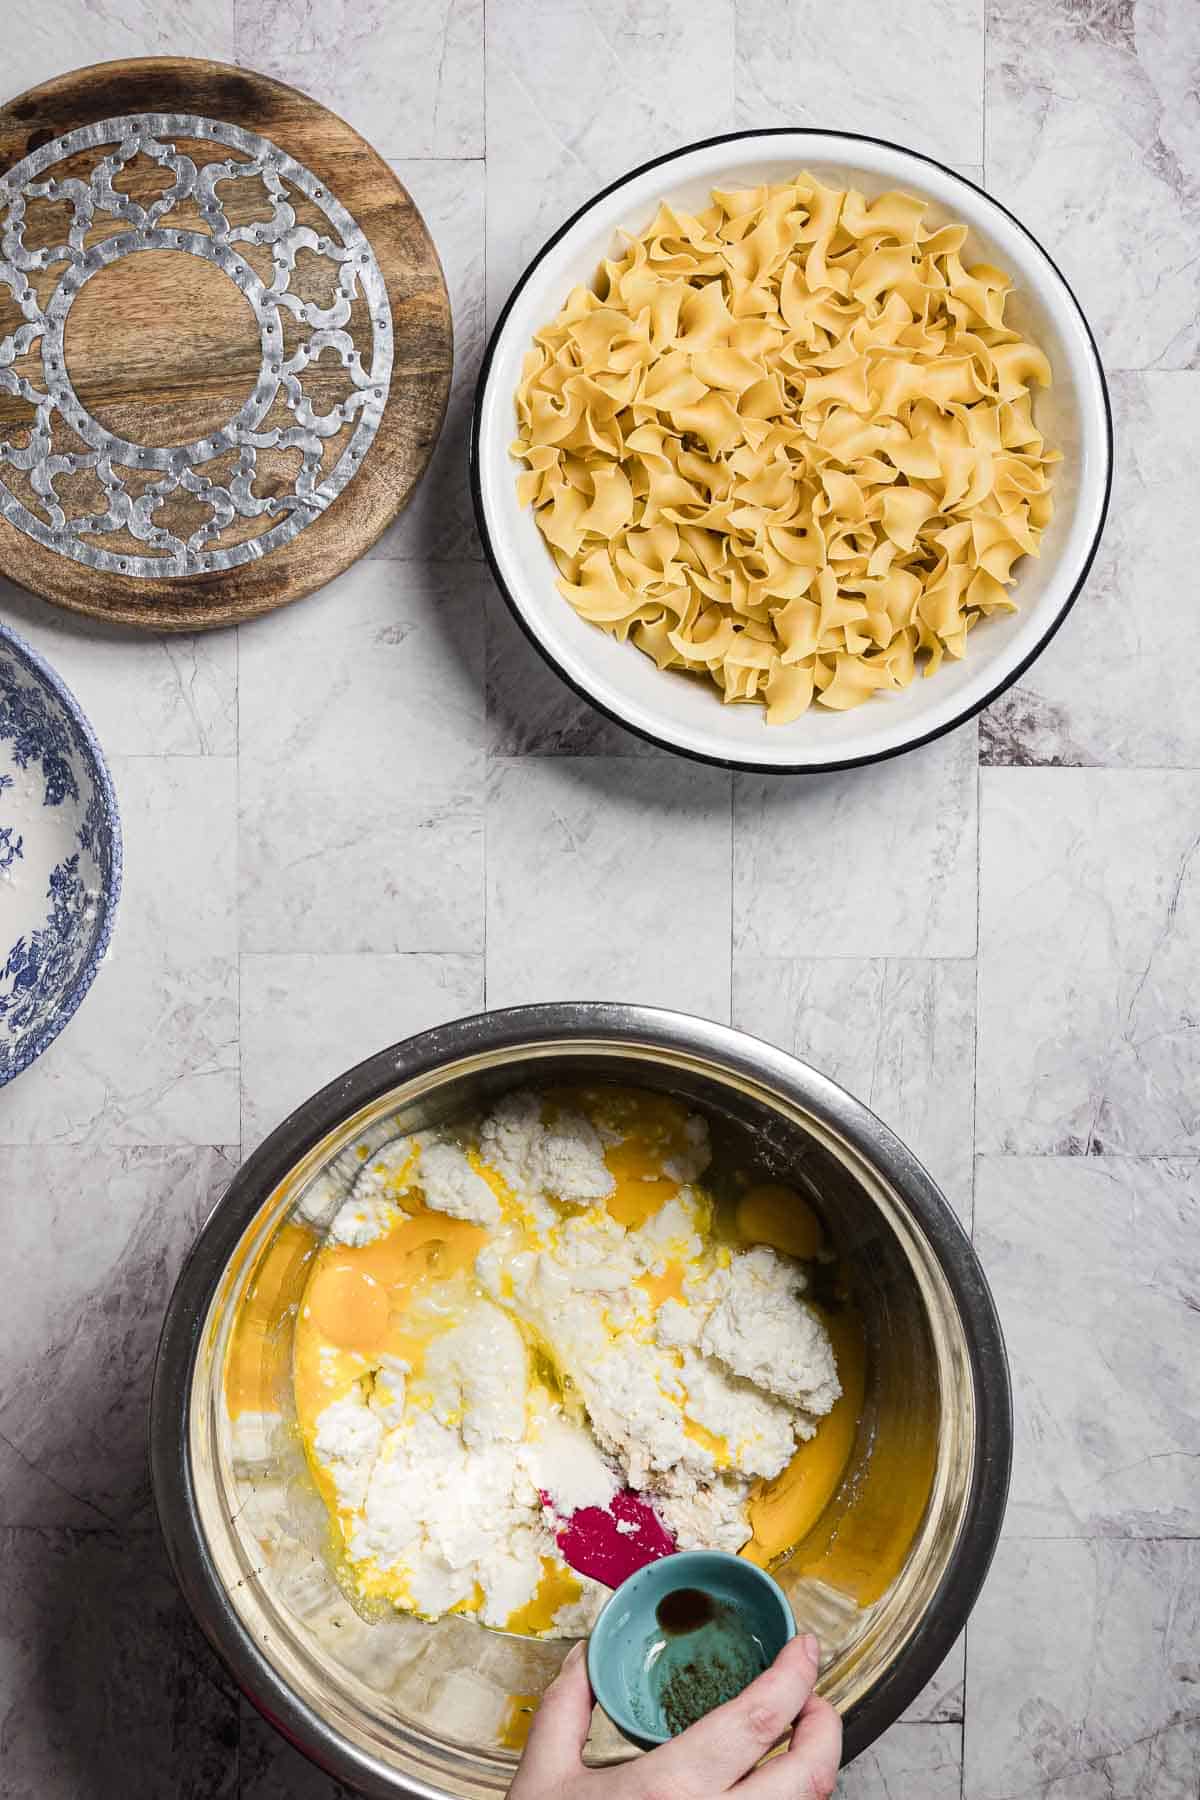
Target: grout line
1091	1156
732	781
1002	768
1101	1537
978	962
483	88
983	110
329	956
1126	768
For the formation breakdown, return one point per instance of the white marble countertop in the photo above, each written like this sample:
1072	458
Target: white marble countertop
377	810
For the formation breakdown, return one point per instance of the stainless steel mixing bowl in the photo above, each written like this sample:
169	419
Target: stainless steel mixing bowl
395	1706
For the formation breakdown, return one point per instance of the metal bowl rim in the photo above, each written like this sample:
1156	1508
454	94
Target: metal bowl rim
526	1027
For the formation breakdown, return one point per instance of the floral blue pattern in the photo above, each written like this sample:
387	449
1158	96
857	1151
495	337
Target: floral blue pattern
48	967
10	847
39	732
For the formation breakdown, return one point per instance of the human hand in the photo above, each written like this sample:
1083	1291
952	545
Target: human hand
710	1758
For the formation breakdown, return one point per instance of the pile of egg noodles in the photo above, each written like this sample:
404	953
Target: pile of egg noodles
787	444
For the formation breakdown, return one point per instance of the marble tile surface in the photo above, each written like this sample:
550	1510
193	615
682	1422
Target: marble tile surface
924	1760
146	695
571	914
1089	934
942	1700
1095	1266
57	35
305	1019
1115	685
578	95
919	81
878	861
439	521
900	1035
1082	1677
1093	139
151	1057
361	748
98	1235
531	710
409	78
106	1686
379	809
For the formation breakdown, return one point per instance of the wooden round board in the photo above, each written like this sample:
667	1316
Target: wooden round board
225	343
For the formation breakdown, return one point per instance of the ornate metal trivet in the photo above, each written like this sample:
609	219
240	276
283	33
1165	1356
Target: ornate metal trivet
240	155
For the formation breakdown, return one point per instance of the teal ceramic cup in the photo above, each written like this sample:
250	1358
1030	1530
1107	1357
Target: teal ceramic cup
681	1636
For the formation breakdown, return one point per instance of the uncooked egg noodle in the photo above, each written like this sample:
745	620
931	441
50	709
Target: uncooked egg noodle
787	443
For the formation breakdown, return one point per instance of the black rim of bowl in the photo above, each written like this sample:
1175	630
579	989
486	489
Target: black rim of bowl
666	743
549	1025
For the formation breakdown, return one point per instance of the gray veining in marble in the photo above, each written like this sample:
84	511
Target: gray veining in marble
106	1686
95	1237
152	1056
439	522
1093	139
914	75
531	712
306	1018
1095	1264
361	739
579	94
878	861
57	35
379	809
170	695
942	1699
1089	1028
609	877
1083	1668
410	78
1117	685
899	1034
922	1761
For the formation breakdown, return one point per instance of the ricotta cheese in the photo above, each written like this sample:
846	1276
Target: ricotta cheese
475	1374
450	1185
384	1173
762	1331
563	1159
362	1220
573	1332
346	1445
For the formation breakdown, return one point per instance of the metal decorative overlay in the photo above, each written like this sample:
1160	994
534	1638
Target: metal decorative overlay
96	202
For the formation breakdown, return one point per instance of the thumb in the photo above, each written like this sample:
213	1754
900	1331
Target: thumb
554	1751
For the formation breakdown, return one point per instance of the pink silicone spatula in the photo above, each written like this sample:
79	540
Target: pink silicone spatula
611	1542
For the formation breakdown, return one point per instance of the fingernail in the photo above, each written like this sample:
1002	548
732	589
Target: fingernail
574	1653
812	1648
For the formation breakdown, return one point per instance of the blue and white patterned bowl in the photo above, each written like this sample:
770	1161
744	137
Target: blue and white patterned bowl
60	854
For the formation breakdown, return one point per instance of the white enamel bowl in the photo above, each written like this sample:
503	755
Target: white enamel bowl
679	713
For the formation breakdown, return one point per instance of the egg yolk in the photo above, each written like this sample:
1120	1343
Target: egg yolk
778	1216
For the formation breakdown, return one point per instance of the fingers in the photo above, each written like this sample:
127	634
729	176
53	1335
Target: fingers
554	1749
809	1769
715	1752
